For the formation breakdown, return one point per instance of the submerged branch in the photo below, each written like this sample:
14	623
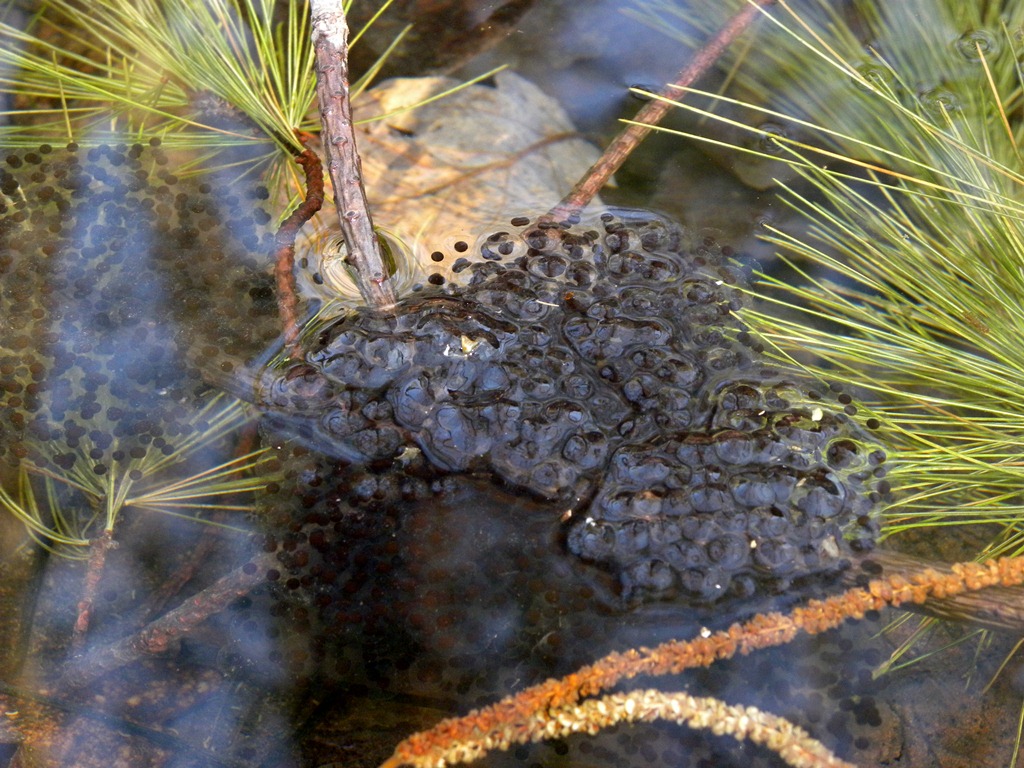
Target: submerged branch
622	146
96	564
330	46
159	635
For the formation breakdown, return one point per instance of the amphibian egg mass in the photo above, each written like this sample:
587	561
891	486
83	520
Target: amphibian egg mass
604	368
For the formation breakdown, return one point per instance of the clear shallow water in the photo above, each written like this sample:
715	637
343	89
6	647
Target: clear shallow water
455	593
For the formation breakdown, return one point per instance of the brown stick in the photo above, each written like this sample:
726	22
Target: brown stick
98	549
999	607
159	635
330	47
629	138
284	239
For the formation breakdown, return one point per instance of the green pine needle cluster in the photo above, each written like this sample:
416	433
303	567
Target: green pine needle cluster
228	82
903	123
200	75
65	511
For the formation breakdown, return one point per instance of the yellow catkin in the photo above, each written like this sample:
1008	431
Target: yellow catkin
794	745
528	715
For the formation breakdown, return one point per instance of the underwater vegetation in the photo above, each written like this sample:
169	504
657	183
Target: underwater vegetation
574	437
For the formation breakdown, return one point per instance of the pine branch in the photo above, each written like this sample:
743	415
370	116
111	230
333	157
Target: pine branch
330	47
159	635
622	146
98	549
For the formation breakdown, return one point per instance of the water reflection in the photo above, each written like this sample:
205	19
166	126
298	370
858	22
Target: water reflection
369	585
384	600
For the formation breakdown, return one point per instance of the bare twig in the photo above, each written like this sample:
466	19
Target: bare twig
629	138
330	46
98	550
284	239
998	606
159	635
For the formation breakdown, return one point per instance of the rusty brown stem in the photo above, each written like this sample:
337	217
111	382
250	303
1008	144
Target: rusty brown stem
98	549
622	146
330	48
160	635
284	269
994	608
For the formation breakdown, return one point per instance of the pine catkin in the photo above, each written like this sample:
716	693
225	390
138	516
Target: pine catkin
529	711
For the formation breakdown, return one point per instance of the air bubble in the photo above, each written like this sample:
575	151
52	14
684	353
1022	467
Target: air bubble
772	138
976	45
940	103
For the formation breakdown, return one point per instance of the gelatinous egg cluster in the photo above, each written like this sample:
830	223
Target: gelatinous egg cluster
604	367
116	276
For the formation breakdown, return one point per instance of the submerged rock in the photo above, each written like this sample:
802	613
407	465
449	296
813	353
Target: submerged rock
603	367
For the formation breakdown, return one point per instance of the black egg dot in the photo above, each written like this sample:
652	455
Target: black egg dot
436	279
845	399
437	256
519	221
461	246
873	424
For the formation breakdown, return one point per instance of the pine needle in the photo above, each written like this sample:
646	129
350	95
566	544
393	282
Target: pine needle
910	278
